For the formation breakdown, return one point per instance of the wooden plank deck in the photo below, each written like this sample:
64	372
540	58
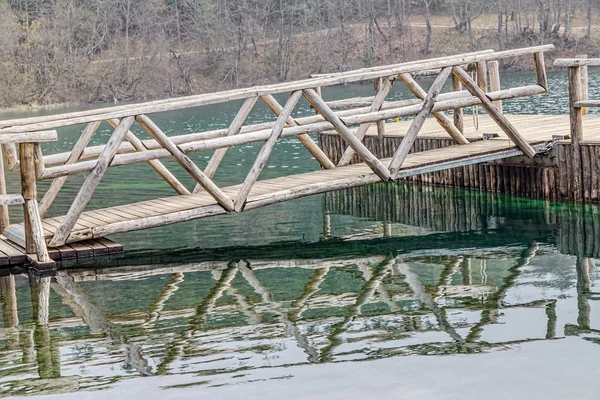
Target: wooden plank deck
538	131
12	254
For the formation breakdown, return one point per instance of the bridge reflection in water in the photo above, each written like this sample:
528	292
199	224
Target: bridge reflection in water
333	301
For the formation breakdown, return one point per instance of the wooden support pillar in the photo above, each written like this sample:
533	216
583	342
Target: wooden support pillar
575	95
458	113
35	242
584	84
4	219
494	72
540	70
482	81
381	123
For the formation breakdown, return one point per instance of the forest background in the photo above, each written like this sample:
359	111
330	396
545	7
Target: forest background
88	51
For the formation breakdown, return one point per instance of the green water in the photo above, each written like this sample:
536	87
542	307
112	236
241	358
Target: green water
389	291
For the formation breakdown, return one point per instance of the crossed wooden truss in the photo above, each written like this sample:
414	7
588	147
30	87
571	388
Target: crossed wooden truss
124	147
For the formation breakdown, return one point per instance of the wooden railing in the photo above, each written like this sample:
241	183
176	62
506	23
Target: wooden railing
578	107
125	148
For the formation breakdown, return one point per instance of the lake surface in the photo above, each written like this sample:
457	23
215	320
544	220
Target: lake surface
387	291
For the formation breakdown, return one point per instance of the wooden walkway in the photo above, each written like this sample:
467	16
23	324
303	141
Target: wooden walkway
152	213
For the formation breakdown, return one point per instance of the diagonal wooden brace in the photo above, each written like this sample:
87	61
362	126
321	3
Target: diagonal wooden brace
363	128
417	123
322	108
310	145
234	129
77	151
444	121
265	151
213	190
158	166
496	115
91	183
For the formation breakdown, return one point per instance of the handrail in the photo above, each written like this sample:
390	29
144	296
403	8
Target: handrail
34	124
124	147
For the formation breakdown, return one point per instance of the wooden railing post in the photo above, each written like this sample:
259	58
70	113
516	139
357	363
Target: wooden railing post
35	242
575	113
458	113
584	84
4	219
494	73
380	124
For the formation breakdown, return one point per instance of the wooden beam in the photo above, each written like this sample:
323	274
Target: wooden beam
37	232
458	113
234	128
577	62
91	183
220	97
576	121
482	81
452	102
352	141
380	124
265	151
10	150
11	199
187	164
33	137
155	164
500	119
588	103
363	128
77	151
494	72
28	189
444	121
540	69
417	123
305	139
4	216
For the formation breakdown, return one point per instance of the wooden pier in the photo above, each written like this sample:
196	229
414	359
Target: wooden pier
475	82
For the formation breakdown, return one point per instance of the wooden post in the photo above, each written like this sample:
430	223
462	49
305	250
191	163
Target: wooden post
417	124
584	84
458	112
494	71
482	76
540	70
4	219
575	95
35	242
28	190
380	124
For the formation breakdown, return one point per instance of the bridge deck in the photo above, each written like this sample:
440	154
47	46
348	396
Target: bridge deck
538	130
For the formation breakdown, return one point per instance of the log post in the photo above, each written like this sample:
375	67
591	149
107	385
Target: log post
575	113
584	84
494	72
35	242
458	113
540	70
482	81
380	124
4	219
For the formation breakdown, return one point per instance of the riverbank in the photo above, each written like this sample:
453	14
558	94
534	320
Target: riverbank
148	71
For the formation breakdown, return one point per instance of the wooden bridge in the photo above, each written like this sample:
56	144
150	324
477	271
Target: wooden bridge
476	82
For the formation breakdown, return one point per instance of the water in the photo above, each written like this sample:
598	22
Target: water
447	294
